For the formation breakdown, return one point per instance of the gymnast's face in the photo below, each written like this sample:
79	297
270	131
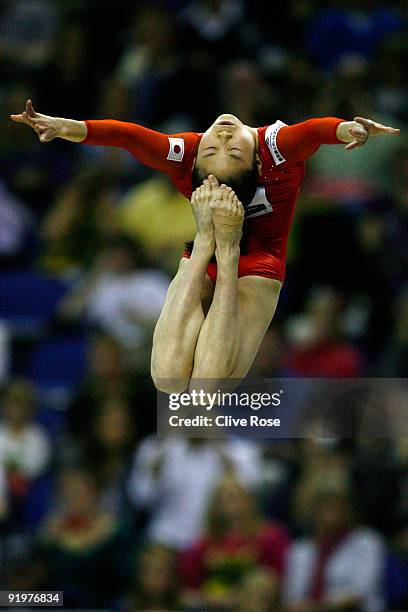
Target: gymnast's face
227	147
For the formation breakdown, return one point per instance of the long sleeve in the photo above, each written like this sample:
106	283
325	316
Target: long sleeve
172	154
273	544
191	566
142	487
298	142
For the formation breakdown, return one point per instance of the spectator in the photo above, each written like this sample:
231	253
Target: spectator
340	566
107	376
82	547
236	541
174	478
154	584
315	344
147	212
120	295
80	223
108	450
25	448
323	463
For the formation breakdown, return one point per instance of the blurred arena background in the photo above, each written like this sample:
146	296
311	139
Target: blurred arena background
90	501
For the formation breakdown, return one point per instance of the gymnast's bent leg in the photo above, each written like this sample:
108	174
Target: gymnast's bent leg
241	309
176	332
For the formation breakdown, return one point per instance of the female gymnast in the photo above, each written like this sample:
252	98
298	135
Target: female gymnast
242	181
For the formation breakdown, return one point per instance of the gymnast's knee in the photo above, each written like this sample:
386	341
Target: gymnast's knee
168	378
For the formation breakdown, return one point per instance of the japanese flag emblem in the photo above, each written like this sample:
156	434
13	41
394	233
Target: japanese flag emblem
176	149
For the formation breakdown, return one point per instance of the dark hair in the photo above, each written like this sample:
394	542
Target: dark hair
244	183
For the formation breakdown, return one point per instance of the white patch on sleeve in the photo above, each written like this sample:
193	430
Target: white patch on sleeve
270	139
176	149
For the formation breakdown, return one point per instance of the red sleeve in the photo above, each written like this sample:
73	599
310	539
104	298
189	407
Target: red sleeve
296	143
173	154
191	567
273	544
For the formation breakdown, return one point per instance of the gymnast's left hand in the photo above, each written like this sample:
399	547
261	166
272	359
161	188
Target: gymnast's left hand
361	129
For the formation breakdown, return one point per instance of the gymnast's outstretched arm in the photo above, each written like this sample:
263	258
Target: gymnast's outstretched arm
173	154
300	141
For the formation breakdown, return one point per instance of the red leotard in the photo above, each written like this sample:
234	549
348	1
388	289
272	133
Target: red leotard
283	151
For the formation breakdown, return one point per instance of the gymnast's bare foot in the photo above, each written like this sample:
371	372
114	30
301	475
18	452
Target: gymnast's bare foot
228	217
201	206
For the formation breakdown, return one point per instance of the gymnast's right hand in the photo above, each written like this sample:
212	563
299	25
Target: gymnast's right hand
47	128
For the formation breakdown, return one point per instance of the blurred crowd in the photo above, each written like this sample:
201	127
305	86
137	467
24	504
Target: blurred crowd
91	502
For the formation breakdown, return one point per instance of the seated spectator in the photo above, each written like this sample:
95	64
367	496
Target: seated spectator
148	211
173	479
340	566
119	294
108	376
24	446
236	542
320	461
108	449
154	585
316	346
81	221
82	547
